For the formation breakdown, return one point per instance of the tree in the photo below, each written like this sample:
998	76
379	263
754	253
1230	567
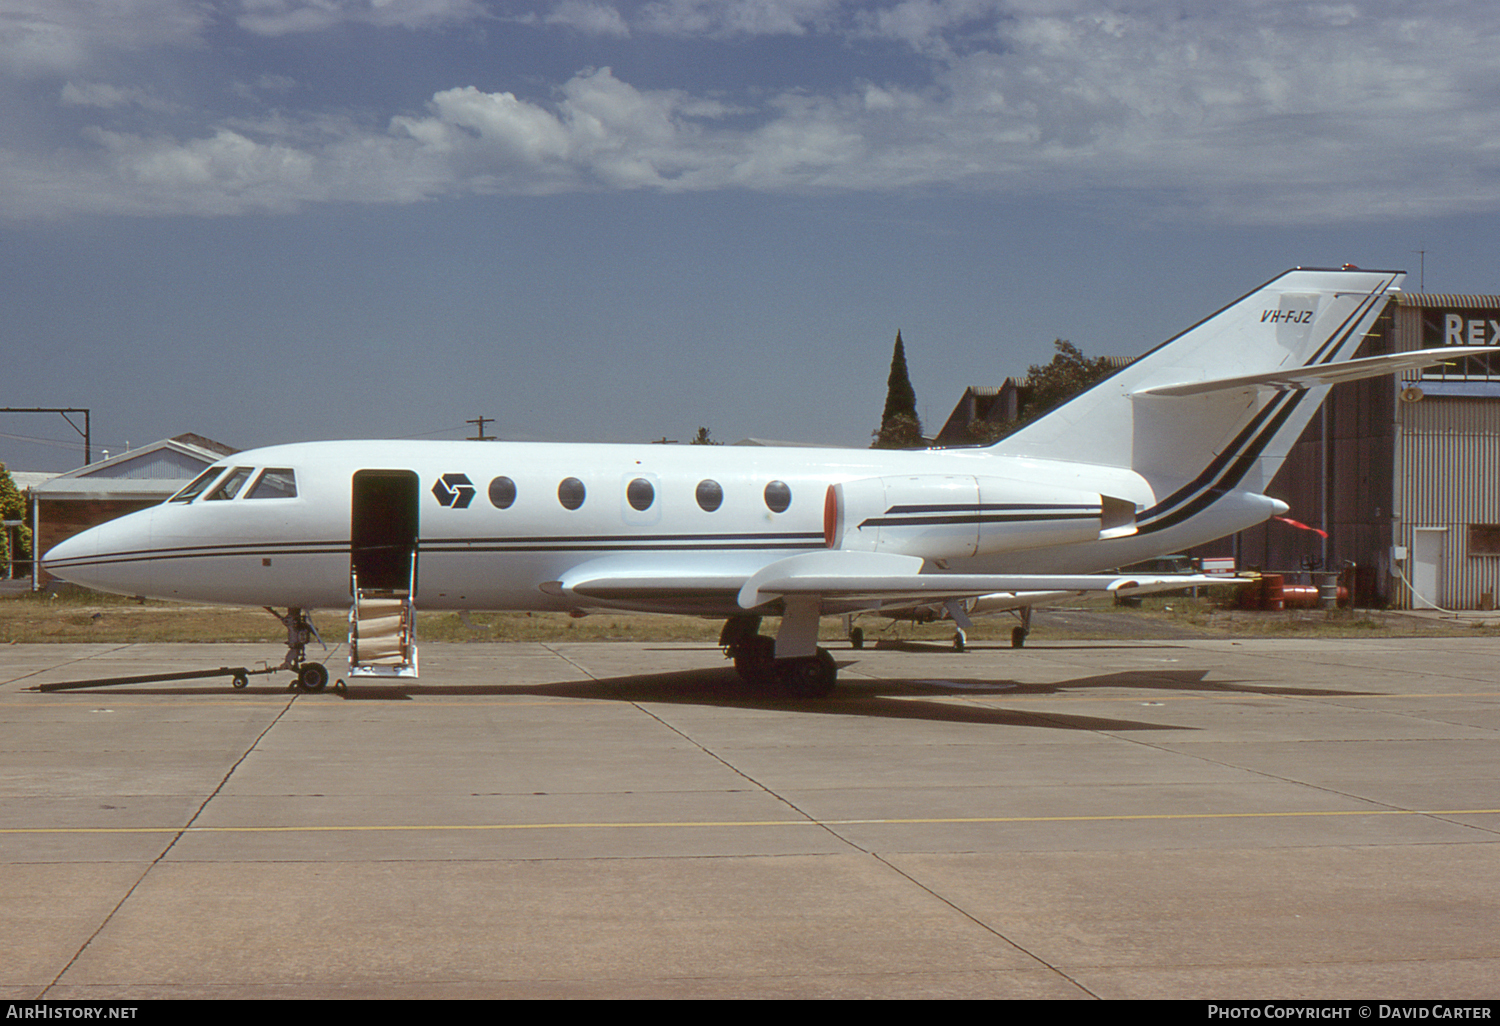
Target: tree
1069	373
702	438
901	431
12	507
900	427
1048	386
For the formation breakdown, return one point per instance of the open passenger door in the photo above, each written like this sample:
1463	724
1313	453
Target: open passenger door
383	574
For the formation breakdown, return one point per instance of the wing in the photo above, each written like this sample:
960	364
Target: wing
837	577
877	577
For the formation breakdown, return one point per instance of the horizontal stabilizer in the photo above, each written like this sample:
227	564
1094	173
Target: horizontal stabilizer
1292	378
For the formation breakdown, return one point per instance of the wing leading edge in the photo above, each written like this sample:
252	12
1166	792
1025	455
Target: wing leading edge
880	577
847	577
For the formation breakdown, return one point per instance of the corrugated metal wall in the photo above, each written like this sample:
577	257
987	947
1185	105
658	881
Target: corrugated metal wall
1447	476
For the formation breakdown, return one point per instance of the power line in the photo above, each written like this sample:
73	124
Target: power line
86	431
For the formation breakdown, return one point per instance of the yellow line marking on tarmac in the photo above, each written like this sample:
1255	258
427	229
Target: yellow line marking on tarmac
669	824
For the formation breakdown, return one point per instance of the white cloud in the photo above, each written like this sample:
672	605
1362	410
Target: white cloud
41	37
283	17
1242	112
274	84
225	173
719	18
593	18
601	132
104	95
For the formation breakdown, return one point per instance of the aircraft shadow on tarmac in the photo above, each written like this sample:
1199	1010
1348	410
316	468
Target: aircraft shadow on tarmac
895	698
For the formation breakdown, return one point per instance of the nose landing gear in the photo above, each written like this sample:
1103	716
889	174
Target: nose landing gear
300	631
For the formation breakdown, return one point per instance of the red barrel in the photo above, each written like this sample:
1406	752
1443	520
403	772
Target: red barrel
1300	596
1272	592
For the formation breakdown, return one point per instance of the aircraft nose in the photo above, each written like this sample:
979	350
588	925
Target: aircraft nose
110	557
79	550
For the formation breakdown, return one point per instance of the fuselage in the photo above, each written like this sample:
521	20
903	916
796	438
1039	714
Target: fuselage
494	525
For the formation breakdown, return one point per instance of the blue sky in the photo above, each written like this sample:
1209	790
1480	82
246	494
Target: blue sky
274	220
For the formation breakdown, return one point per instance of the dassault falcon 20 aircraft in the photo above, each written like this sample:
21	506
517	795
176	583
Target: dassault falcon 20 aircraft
1174	450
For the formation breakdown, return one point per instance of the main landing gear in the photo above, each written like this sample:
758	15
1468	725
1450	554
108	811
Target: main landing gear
1018	633
754	655
299	631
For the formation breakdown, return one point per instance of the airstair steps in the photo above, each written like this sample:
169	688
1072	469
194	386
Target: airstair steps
382	635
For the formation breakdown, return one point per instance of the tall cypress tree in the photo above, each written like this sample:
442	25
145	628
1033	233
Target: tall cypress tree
900	427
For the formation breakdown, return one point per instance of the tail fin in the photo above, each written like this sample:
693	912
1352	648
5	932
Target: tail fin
1218	407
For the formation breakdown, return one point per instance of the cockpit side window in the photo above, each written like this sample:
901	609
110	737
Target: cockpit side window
275	483
196	486
231	485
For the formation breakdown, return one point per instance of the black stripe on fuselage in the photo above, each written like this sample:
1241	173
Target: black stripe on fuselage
578	543
262	549
629	543
993	518
970	507
960	513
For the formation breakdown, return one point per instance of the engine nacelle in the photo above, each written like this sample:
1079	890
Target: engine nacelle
955	516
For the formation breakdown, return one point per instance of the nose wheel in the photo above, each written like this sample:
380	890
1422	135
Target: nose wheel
312	677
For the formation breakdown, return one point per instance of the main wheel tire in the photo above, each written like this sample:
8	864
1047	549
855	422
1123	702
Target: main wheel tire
1018	637
809	676
857	638
755	659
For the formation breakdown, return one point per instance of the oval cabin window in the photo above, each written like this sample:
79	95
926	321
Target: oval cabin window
502	492
640	494
710	496
778	496
571	493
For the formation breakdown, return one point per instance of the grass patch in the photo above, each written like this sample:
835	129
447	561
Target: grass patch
74	616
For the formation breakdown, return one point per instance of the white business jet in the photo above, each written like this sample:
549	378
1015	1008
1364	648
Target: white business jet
1174	450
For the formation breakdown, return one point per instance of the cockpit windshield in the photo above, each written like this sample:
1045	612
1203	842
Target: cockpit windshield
232	484
196	486
275	483
270	483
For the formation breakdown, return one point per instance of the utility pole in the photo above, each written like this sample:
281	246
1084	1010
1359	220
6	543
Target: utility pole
86	431
480	422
